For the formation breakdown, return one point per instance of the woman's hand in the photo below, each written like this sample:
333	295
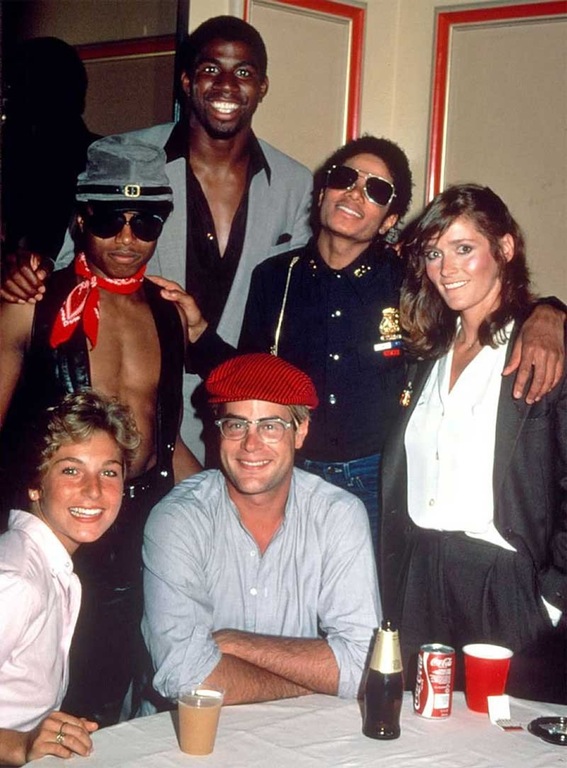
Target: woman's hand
58	734
61	735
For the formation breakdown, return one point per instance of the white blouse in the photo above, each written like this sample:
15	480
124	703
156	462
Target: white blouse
40	596
449	444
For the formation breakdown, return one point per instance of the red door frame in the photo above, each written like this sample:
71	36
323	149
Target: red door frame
446	21
356	16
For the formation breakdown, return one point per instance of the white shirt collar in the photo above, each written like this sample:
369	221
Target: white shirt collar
58	559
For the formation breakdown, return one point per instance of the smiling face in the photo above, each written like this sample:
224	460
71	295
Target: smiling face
225	89
254	468
119	256
81	490
348	214
463	269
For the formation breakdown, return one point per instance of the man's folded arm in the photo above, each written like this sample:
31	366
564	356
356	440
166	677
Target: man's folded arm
246	683
305	662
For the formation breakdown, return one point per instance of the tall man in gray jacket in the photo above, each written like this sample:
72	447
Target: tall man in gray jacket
238	200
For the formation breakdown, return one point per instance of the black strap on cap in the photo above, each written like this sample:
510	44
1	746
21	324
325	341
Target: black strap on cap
128	190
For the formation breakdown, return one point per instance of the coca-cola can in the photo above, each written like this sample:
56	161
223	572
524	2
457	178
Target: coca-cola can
433	694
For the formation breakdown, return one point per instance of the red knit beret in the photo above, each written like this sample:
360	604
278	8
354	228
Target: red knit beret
261	376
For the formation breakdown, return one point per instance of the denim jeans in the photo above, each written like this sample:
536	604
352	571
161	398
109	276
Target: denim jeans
359	476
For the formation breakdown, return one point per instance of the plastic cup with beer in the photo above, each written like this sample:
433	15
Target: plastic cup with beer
486	672
199	710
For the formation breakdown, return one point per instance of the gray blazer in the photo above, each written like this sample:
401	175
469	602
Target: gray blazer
276	208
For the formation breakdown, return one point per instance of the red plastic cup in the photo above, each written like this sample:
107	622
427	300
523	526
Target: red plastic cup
486	671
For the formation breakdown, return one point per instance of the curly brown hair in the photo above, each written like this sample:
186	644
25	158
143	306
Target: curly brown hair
426	319
74	419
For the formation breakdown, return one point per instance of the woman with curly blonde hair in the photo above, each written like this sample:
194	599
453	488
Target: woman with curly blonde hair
79	462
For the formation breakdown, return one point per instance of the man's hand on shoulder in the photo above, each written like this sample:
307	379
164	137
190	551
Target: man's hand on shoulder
24	277
172	291
539	348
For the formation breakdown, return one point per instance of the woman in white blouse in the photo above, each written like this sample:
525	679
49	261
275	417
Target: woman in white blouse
474	538
79	463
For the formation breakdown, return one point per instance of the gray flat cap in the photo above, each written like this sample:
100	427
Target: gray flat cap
120	169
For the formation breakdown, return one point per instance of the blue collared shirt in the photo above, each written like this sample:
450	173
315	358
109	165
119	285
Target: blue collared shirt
203	572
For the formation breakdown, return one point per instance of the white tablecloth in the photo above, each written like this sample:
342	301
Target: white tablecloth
326	731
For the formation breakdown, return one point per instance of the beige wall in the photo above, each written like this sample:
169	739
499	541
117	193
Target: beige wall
397	74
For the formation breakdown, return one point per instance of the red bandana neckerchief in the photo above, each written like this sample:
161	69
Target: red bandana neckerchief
83	302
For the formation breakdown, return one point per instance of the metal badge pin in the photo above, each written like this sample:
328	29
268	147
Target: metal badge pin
390	324
405	397
390	344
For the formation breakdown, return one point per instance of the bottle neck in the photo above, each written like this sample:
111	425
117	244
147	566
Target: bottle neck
386	655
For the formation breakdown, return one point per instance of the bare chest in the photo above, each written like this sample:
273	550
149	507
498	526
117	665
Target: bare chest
127	354
126	363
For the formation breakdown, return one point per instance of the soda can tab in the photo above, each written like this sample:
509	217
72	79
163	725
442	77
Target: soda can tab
433	695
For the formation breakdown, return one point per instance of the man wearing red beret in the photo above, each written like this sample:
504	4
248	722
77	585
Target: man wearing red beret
259	578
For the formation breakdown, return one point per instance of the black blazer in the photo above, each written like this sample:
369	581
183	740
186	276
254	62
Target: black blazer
529	482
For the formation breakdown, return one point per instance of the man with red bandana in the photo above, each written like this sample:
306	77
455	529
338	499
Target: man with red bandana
101	324
260	577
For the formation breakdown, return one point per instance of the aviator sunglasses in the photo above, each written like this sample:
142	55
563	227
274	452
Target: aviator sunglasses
377	190
144	226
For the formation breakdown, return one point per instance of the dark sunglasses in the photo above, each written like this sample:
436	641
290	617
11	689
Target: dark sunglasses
144	226
377	190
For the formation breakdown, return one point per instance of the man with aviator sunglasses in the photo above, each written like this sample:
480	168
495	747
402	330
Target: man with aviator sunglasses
331	309
377	190
101	324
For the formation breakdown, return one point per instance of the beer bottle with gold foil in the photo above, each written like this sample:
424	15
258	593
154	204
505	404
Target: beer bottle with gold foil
384	689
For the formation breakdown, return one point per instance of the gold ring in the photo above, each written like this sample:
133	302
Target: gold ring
60	736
